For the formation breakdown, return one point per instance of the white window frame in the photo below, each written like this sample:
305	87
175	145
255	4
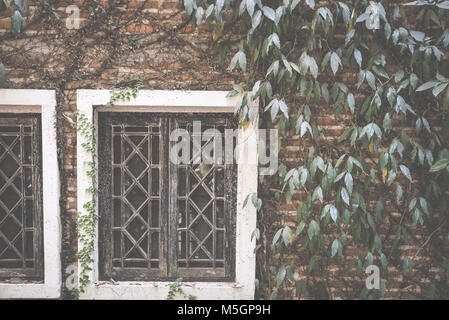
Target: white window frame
43	102
90	102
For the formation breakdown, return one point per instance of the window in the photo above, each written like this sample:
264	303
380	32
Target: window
30	229
21	246
161	220
185	246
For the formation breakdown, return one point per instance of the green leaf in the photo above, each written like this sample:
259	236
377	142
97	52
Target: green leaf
287	235
257	203
325	93
250	4
335	62
269	13
363	17
438	89
283	107
16	21
280	276
346	13
275	39
418	35
377	243
335	246
188	5
371	79
300	228
383	261
340	160
330	208
313	264
277	236
314	229
439	165
245	202
427	85
345	196
311	3
443	5
256	19
255	234
318	194
406	172
399	75
239	58
358	57
351	101
380	72
424	206
391	96
209	10
199	15
313	67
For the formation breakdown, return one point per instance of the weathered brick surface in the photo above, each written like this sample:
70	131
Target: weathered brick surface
141	40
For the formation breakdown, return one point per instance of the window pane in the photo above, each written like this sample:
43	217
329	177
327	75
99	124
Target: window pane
20	200
167	220
202	186
134	192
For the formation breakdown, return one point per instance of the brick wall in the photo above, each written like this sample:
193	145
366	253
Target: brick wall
149	40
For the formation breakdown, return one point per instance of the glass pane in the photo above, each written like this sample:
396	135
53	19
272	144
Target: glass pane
28	150
136	214
155	213
155	182
181	181
117	181
28	181
155	245
204	223
17	199
117	146
155	150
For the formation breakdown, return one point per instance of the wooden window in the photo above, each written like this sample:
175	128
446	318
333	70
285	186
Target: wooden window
21	245
160	220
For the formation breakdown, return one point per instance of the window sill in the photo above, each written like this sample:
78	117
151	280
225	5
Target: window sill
159	290
29	290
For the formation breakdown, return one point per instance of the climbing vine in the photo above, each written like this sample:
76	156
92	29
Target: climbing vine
176	288
87	221
382	185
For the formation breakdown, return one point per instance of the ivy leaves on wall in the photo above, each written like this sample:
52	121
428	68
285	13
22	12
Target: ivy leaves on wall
20	9
386	69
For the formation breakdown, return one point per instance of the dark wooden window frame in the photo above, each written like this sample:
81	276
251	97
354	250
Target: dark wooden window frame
168	269
36	271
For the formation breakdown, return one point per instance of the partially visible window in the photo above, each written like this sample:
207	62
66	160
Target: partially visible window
21	245
160	220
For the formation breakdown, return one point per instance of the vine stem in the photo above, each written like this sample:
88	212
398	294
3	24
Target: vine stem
428	239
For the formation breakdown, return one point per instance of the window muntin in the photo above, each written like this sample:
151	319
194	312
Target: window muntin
160	220
205	202
21	245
